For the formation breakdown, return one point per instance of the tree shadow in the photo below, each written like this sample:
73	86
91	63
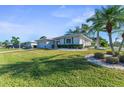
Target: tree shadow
45	66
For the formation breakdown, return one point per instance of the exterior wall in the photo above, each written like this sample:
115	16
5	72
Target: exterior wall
44	44
88	43
81	41
66	40
76	40
61	41
85	42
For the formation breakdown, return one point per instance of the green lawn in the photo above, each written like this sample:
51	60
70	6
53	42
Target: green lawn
6	49
53	68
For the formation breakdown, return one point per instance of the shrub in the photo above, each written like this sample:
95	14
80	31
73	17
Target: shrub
80	46
121	58
87	46
109	52
99	55
116	54
112	60
35	71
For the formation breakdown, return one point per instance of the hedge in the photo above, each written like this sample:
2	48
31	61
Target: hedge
121	58
71	46
112	60
99	55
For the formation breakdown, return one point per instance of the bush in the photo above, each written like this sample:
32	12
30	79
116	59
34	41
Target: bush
109	52
112	60
35	71
121	58
80	46
99	55
116	54
103	42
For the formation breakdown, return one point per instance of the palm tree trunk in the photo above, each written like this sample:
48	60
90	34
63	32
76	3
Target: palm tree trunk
121	46
111	44
97	41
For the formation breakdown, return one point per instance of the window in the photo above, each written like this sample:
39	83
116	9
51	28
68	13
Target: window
68	41
58	42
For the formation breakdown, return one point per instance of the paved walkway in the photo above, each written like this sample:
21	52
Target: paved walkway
66	49
11	51
91	59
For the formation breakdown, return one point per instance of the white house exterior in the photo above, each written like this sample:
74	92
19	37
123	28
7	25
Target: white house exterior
31	44
71	39
44	43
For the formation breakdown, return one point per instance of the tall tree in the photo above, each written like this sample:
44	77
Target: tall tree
77	30
0	44
43	37
111	18
15	41
121	43
69	31
84	28
96	26
6	43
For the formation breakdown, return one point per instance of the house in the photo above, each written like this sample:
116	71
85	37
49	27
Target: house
65	41
31	44
45	43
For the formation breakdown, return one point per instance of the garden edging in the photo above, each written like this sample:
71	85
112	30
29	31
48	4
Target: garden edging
99	62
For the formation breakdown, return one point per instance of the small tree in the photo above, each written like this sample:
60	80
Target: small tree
0	44
96	26
15	41
43	37
6	43
121	43
111	18
103	42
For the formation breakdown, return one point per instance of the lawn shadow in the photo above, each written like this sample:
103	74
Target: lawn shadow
45	66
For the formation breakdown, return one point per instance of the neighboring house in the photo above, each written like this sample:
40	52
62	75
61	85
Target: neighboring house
44	43
70	39
31	44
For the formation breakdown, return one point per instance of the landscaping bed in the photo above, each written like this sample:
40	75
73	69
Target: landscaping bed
107	60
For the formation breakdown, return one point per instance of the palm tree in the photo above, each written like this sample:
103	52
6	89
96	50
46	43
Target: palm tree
96	26
77	30
69	31
15	41
6	43
121	43
111	18
85	28
43	37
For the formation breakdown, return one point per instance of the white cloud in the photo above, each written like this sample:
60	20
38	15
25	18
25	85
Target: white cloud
81	18
9	25
12	29
75	16
62	7
63	12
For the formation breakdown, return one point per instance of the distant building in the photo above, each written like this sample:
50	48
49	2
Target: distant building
70	39
31	44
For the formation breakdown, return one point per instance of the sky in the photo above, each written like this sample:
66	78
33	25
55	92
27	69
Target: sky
31	22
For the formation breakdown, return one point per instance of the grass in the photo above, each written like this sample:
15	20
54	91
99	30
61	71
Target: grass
5	49
53	68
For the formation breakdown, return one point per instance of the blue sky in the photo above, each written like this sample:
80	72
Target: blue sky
31	22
